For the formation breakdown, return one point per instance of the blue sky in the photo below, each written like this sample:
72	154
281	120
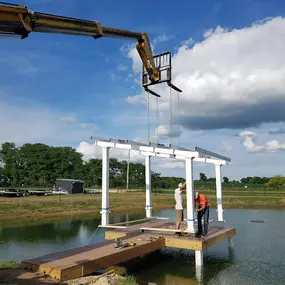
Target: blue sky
60	89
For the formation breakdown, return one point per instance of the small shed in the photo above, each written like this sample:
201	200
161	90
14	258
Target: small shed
72	186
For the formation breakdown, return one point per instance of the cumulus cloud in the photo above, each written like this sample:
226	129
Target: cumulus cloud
22	124
232	79
249	143
89	151
165	132
270	146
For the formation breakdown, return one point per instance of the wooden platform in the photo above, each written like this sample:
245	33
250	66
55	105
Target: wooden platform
78	262
186	241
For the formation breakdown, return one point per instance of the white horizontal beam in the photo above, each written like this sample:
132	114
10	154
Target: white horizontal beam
164	150
157	150
186	154
210	160
105	144
147	148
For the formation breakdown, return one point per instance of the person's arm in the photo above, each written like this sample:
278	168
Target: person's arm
202	208
203	202
183	186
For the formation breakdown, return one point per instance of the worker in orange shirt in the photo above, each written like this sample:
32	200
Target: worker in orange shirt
203	210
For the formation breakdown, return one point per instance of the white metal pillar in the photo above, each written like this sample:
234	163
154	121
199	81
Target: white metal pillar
148	187
105	187
190	194
219	192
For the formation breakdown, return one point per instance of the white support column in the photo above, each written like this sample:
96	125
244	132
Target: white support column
230	243
148	187
219	192
190	194
105	187
198	258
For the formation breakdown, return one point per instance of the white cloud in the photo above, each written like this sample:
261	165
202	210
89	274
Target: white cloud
231	79
89	151
74	120
187	43
161	39
249	142
122	67
165	131
250	146
22	124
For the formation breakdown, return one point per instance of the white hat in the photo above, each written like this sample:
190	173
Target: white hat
180	185
196	194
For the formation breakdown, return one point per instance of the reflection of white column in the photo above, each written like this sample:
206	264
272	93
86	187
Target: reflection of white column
190	194
199	273
105	186
148	187
198	258
219	192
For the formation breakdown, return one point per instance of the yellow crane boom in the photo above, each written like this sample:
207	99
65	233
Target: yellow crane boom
16	20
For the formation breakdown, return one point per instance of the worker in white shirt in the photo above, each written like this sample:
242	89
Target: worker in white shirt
179	204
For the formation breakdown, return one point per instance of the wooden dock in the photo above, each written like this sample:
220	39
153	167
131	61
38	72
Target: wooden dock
148	237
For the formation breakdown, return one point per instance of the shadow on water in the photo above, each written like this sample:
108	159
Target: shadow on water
172	266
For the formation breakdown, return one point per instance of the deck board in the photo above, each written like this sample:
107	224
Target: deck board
81	261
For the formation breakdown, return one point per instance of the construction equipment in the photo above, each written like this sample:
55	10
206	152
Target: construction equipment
19	21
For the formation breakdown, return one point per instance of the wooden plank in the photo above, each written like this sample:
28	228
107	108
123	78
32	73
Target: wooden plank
66	265
219	236
164	230
124	232
133	221
113	227
194	244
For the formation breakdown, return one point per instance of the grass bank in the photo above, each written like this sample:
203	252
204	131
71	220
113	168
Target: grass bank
35	207
9	264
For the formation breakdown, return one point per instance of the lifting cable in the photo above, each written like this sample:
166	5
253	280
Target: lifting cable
170	105
148	115
178	119
157	123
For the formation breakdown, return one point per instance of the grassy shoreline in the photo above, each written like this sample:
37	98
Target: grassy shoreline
51	207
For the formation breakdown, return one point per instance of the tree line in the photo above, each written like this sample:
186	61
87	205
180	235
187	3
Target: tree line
245	180
40	165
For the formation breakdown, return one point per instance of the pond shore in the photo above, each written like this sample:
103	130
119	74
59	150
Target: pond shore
49	207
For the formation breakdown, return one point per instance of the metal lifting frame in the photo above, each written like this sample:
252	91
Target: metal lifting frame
160	150
162	63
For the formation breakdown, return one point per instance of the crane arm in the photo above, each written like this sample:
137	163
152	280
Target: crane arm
16	20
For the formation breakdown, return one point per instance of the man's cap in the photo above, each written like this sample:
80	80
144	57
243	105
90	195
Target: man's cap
180	185
196	194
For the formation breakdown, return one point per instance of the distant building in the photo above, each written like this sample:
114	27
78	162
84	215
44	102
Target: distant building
72	186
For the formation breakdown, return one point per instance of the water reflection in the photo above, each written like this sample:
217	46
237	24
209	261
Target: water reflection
257	258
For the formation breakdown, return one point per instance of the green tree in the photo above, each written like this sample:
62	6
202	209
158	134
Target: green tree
276	182
226	179
203	177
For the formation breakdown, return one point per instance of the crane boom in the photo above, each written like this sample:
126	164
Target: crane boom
16	20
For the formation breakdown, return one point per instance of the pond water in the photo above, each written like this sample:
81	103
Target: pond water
258	256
